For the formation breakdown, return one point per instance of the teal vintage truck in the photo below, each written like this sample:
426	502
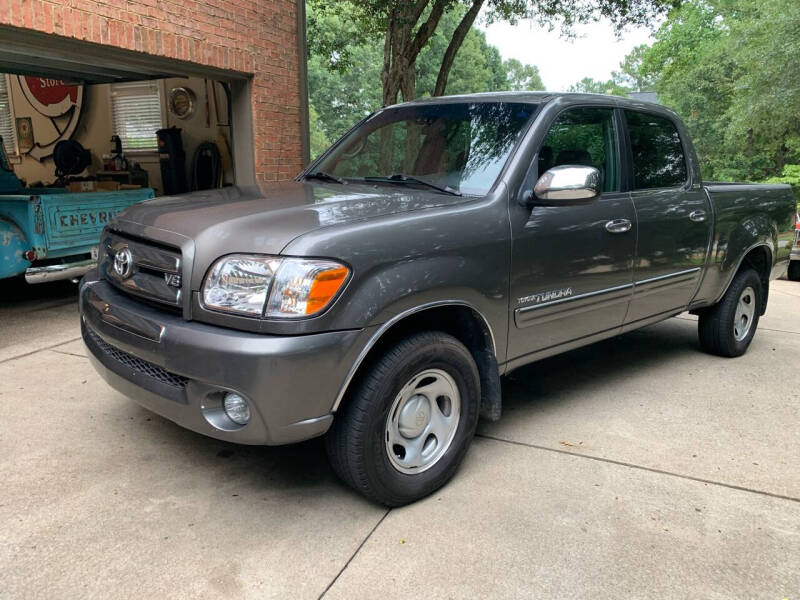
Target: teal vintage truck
48	233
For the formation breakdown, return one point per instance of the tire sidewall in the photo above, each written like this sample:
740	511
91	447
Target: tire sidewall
746	279
456	361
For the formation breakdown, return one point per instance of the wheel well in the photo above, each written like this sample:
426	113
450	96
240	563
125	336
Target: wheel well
760	259
463	323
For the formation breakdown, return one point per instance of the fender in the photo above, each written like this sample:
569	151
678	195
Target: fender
728	264
13	244
393	321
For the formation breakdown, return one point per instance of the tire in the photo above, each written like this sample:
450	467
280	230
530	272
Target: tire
794	271
386	408
721	329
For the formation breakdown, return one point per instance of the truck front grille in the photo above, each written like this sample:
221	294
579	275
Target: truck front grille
142	268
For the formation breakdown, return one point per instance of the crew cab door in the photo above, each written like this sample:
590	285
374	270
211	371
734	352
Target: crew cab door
673	215
572	265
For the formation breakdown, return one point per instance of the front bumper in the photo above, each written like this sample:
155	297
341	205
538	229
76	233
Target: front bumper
73	270
179	369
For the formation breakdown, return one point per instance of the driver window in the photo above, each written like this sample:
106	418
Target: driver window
583	136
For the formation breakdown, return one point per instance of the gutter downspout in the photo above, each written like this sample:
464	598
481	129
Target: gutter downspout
302	73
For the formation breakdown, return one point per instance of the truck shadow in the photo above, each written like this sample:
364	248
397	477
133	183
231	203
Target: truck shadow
544	384
15	292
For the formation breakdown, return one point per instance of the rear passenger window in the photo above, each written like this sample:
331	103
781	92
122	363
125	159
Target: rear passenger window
658	159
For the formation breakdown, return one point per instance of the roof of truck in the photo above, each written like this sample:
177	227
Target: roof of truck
568	98
533	98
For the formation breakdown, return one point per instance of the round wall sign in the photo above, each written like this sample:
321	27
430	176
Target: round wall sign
181	102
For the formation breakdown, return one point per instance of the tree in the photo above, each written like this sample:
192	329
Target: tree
728	67
632	74
587	85
319	140
407	26
522	77
346	88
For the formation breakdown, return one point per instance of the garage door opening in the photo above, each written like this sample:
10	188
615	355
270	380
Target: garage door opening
130	119
172	135
89	131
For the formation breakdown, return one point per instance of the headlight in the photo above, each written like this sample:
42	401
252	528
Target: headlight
287	287
239	283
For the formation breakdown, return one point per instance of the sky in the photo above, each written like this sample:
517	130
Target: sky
594	53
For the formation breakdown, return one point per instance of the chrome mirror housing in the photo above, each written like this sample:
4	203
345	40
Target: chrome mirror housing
567	184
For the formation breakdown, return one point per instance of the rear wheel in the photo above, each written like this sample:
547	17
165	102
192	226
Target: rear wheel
403	433
794	270
728	327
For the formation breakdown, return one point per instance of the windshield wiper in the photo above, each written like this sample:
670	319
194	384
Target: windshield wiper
402	178
322	175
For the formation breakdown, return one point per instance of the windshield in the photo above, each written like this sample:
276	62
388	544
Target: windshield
462	147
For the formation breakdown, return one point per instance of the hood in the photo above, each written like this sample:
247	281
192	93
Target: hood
238	219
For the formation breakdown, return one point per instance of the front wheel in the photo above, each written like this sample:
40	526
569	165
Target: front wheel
405	430
728	327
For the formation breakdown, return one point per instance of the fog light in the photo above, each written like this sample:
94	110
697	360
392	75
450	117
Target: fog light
236	408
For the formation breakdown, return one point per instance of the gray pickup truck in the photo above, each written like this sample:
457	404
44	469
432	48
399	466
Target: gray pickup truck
438	245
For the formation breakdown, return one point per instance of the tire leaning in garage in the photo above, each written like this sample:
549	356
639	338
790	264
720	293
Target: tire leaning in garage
728	327
385	440
794	271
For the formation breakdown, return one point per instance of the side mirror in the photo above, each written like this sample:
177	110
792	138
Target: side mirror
567	184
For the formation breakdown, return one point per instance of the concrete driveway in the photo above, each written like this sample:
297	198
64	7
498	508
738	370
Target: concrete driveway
637	467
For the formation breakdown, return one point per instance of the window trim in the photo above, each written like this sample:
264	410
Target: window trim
14	155
687	184
146	152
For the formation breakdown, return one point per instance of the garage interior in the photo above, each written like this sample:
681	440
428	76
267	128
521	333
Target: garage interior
56	89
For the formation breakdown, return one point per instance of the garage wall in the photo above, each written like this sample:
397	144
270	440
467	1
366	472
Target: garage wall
258	38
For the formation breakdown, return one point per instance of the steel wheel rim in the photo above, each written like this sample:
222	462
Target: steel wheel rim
745	312
422	421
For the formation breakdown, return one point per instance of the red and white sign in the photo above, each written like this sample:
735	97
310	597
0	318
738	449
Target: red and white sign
51	97
59	101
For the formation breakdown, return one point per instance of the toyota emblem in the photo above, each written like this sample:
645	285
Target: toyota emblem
123	262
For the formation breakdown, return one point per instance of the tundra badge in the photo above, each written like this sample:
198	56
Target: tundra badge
545	296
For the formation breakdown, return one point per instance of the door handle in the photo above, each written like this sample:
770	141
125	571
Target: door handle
618	226
698	216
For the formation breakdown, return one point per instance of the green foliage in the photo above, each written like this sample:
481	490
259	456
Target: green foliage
319	141
587	85
729	68
632	74
522	77
343	95
478	66
790	175
403	28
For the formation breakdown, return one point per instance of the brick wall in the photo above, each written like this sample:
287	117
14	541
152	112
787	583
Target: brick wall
257	37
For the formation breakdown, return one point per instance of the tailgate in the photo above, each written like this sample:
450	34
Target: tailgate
74	220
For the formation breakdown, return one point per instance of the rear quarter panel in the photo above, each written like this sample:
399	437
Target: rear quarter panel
746	216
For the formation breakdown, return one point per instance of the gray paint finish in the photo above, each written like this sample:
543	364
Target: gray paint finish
544	279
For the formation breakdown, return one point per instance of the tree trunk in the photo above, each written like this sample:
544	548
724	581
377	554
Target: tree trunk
455	44
402	45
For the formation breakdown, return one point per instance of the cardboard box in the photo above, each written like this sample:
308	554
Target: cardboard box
77	187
